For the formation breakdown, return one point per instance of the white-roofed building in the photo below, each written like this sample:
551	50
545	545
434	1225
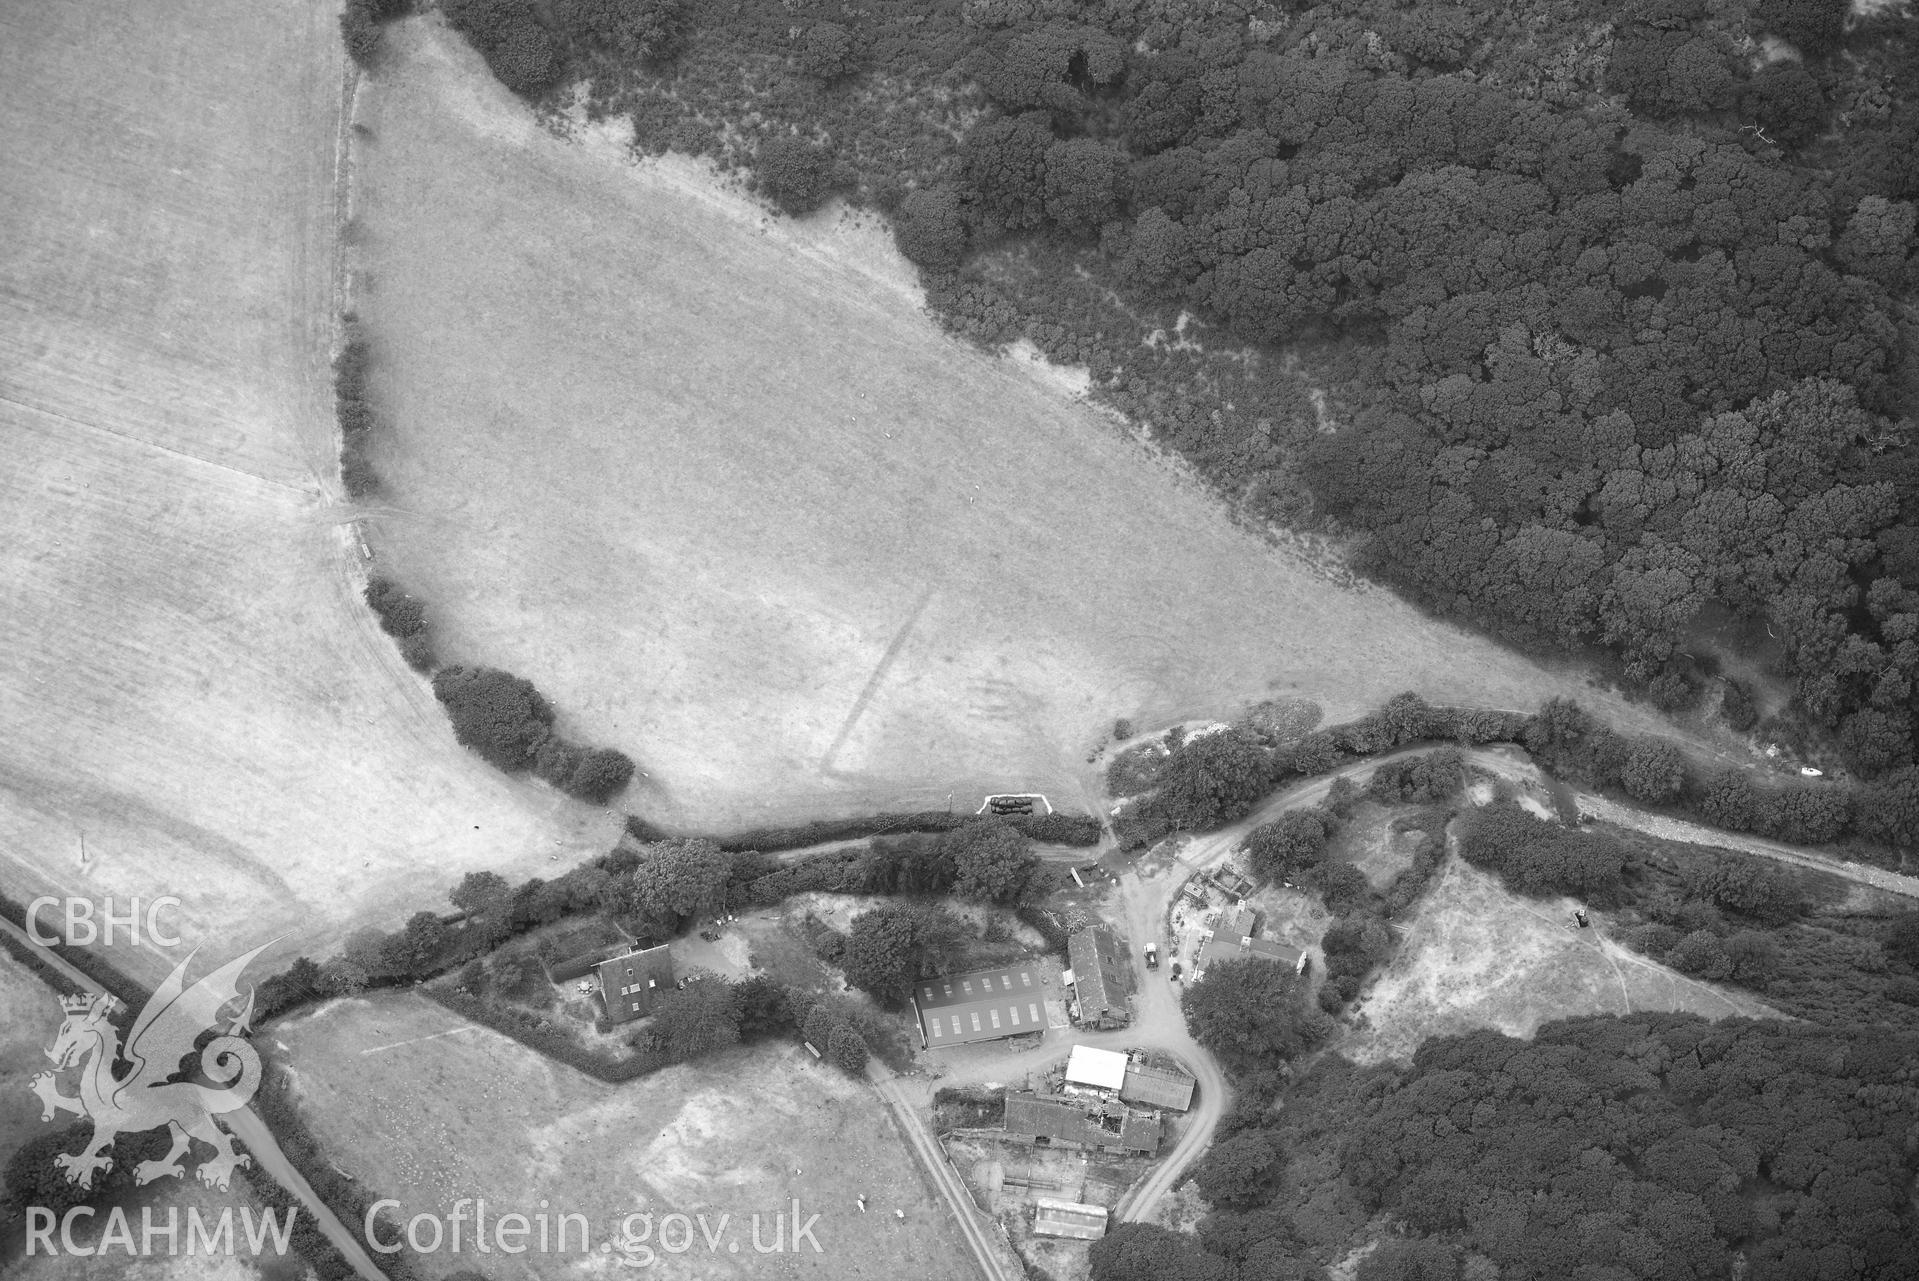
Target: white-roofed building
1098	1069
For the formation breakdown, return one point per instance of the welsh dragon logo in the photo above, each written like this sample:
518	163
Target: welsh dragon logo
148	1096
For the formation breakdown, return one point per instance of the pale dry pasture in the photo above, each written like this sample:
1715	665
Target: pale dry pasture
189	683
1474	955
426	1113
716	483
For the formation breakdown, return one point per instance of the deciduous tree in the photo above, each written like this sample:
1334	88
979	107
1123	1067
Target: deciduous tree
495	713
992	862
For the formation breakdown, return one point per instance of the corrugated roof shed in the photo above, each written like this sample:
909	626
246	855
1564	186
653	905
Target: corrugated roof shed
1157	1087
1101	976
980	1006
630	984
1102	1069
1068	1219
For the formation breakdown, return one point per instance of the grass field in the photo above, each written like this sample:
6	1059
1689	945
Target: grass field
1476	956
186	675
426	1114
715	483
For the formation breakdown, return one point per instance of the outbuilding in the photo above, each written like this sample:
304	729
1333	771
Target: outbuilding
1053	1120
1096	1069
1070	1219
1102	978
1157	1088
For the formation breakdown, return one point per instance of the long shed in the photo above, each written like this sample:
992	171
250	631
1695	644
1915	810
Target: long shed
980	1006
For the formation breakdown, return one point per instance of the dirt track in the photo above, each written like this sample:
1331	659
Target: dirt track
1672	829
982	1236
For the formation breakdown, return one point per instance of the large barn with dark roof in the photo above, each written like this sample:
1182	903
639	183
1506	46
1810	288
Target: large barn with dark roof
981	1006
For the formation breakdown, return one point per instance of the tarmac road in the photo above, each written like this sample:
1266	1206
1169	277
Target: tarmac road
245	1125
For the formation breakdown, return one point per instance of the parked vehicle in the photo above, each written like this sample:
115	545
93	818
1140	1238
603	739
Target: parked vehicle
1152	956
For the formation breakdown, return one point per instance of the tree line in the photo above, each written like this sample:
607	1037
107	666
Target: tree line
355	412
499	716
494	713
655	891
1211	780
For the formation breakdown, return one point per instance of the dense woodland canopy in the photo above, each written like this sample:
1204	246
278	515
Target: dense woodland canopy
1605	1149
1613	299
1653	1146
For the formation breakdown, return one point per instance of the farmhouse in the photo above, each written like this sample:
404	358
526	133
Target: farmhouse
982	1006
585	963
631	984
1236	938
1053	1120
1101	977
1068	1219
1096	1069
1157	1088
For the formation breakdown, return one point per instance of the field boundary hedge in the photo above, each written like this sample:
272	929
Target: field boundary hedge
1051	829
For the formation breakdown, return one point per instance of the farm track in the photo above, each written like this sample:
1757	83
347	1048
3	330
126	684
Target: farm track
1674	829
933	1159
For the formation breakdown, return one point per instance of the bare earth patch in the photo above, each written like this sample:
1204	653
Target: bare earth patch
1369	843
1476	956
426	1113
190	681
714	482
